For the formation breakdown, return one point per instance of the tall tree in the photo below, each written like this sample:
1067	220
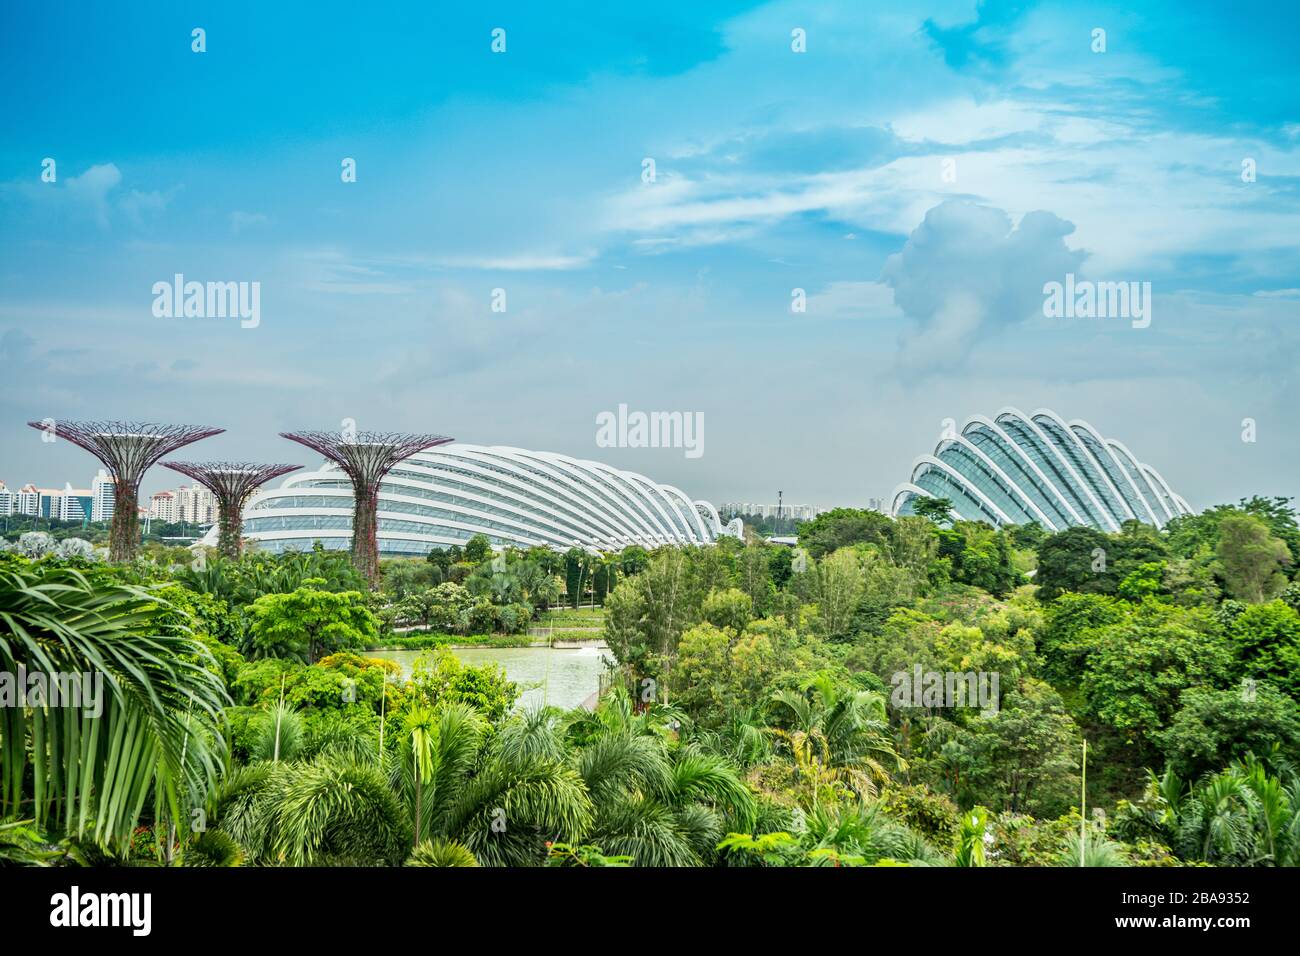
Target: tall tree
1252	558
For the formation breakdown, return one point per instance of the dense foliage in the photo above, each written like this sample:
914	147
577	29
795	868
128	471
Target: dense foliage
890	692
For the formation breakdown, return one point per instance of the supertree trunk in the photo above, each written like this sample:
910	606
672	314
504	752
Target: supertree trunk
230	534
365	538
124	531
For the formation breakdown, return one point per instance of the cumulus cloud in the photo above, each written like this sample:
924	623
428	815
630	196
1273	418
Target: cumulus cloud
93	186
966	272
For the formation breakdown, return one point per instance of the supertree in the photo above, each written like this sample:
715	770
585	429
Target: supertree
127	450
365	457
231	482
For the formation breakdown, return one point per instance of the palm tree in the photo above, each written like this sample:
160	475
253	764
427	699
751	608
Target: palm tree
1098	850
437	752
844	834
657	801
846	735
523	794
441	853
499	800
438	749
90	768
1243	816
335	811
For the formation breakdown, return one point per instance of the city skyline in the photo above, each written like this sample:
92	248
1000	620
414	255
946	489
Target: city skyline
914	182
190	503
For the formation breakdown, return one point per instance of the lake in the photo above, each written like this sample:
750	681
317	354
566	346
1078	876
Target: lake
545	675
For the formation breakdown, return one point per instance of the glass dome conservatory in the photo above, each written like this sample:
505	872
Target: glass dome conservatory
448	494
1017	468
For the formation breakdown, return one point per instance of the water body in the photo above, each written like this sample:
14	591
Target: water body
545	675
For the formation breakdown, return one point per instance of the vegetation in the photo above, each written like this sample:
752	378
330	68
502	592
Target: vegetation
892	692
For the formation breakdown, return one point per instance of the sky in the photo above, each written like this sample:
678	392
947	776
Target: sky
917	172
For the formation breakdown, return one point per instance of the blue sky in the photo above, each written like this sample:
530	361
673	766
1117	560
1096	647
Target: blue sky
775	170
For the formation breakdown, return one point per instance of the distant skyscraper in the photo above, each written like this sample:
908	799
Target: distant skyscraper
162	506
102	489
782	510
64	504
27	500
195	505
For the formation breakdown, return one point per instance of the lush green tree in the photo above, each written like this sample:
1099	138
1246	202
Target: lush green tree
1026	754
979	556
779	565
403	577
1144	581
730	610
754	576
332	811
1252	558
1266	641
1195	535
309	622
1245	815
720	670
913	545
836	584
1135	680
1077	559
837	736
841	527
578	565
478	549
1190	582
439	677
647	613
655	801
937	510
1027	536
1213	728
1073	622
633	559
254	574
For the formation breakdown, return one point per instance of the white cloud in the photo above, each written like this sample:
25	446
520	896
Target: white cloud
966	271
92	188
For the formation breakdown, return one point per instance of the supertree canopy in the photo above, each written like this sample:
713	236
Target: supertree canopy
231	482
365	457
127	450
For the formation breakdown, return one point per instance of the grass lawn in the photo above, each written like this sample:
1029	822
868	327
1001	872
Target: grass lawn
573	617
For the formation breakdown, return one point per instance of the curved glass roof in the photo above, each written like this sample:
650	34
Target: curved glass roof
448	494
1016	468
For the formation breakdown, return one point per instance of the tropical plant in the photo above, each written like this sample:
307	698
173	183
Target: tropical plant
837	737
144	733
441	853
